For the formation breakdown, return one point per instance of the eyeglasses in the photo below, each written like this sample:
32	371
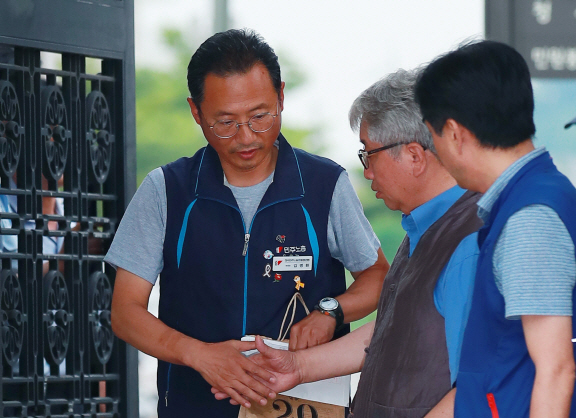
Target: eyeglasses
259	123
363	155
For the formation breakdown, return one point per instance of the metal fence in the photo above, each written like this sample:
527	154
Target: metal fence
67	170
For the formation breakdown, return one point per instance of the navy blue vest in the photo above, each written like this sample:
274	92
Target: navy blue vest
496	372
214	287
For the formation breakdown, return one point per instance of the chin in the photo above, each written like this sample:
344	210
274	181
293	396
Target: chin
389	205
247	165
466	184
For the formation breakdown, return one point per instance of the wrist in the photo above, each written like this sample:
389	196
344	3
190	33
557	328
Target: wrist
191	352
302	366
331	307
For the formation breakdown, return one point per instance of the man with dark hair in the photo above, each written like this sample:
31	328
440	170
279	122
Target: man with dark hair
235	232
227	53
517	354
409	356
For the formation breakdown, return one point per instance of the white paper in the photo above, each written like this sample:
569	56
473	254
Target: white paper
334	391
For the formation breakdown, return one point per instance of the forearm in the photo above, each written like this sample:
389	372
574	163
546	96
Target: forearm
444	408
550	348
144	331
552	393
362	296
132	322
336	358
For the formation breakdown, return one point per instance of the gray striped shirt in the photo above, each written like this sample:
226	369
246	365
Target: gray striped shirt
533	263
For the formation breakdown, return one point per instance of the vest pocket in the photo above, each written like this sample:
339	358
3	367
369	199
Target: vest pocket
492	405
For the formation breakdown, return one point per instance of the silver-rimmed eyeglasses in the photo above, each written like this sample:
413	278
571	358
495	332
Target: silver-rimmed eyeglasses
258	123
363	155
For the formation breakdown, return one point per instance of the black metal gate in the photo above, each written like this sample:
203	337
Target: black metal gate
67	171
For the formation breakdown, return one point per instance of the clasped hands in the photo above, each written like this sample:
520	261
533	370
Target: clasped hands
271	371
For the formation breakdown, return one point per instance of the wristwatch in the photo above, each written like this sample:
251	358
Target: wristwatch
330	306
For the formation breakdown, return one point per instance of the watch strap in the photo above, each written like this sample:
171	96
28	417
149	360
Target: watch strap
336	313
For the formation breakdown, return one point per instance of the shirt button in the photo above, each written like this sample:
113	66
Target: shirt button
393	287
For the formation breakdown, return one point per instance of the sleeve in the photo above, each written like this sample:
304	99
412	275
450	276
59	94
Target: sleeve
139	241
453	296
351	239
534	265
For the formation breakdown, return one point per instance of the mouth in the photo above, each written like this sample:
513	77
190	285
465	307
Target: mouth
247	153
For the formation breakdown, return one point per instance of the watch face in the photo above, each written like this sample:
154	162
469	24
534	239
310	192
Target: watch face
328	304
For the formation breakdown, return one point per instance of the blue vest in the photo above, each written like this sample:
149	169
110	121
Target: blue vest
496	372
223	275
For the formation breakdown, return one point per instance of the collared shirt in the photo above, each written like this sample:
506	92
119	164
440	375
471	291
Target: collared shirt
453	291
533	263
487	201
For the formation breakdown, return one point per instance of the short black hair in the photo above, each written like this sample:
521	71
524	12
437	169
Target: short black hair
235	51
485	86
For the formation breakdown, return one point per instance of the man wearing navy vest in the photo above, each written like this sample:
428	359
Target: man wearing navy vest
517	355
234	232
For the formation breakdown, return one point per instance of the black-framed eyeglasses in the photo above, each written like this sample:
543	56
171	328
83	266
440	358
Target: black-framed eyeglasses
261	122
363	155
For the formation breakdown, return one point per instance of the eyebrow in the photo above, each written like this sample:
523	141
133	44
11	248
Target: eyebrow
225	113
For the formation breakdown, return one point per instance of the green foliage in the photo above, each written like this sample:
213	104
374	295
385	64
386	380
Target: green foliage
165	129
292	75
386	225
385	222
303	139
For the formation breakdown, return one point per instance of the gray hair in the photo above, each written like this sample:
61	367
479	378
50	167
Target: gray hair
390	112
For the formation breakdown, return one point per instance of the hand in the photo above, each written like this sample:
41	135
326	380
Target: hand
313	330
226	369
283	364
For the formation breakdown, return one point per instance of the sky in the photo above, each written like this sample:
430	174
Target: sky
342	47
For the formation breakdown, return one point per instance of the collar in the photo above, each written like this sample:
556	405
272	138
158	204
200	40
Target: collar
420	219
487	201
287	184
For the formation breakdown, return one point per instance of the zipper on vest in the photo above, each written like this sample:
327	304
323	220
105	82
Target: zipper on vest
492	405
168	380
244	254
167	385
246	240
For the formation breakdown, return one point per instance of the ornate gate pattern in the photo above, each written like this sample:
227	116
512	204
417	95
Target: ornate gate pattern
66	132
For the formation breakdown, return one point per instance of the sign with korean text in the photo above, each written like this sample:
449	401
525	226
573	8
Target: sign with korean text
543	31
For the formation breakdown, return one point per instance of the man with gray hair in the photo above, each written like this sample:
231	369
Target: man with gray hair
409	356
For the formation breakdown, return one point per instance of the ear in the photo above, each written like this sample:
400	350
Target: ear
195	111
281	96
453	133
417	157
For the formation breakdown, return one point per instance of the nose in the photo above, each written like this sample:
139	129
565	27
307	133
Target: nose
245	134
368	174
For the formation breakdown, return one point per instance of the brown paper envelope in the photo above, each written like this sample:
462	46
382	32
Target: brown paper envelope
288	407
